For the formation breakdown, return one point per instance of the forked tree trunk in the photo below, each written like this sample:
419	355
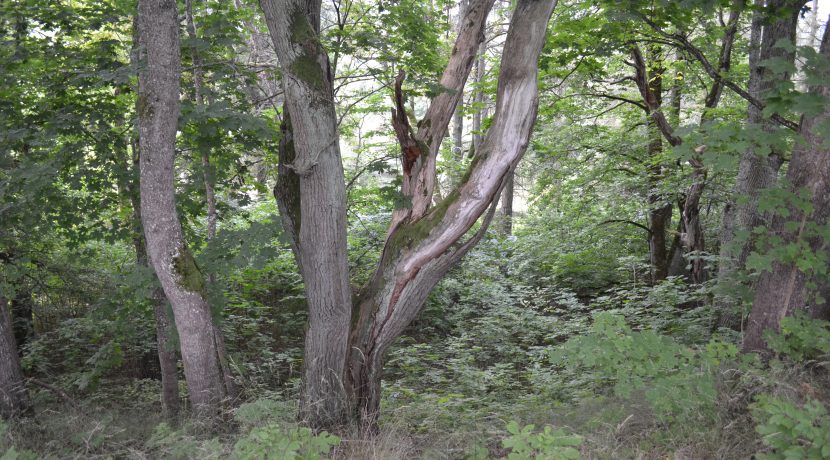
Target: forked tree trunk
14	399
419	251
423	241
183	282
755	172
783	289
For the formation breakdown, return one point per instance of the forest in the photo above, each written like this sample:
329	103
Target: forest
394	229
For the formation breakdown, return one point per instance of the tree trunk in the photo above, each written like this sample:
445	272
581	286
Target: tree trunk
756	173
14	400
782	290
312	200
22	320
183	282
419	252
423	241
165	348
507	205
478	99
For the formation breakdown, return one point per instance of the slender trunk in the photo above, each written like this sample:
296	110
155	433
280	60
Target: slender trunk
782	290
166	349
694	240
419	253
22	320
507	205
231	389
649	80
164	328
458	133
755	172
478	99
183	282
14	400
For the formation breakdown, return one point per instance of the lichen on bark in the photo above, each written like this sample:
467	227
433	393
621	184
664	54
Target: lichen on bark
189	275
305	66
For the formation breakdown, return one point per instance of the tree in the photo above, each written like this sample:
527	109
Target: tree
13	396
783	288
180	277
756	172
345	350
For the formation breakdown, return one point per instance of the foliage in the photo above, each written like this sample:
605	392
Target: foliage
802	338
548	444
272	442
678	381
792	432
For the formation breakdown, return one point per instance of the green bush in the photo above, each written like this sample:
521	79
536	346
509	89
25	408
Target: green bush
790	431
677	380
273	442
801	338
549	444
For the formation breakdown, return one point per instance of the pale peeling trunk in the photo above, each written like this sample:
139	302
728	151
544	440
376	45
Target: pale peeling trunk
14	400
420	148
783	290
756	173
418	253
312	200
183	283
208	176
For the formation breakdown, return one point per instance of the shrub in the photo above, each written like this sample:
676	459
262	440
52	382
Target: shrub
792	432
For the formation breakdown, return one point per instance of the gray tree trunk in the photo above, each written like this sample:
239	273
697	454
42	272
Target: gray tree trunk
14	400
180	277
166	350
312	199
507	205
756	173
782	290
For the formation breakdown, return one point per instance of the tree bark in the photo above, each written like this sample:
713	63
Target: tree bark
650	83
756	173
14	400
507	205
22	320
418	253
782	290
478	99
180	277
312	201
166	350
